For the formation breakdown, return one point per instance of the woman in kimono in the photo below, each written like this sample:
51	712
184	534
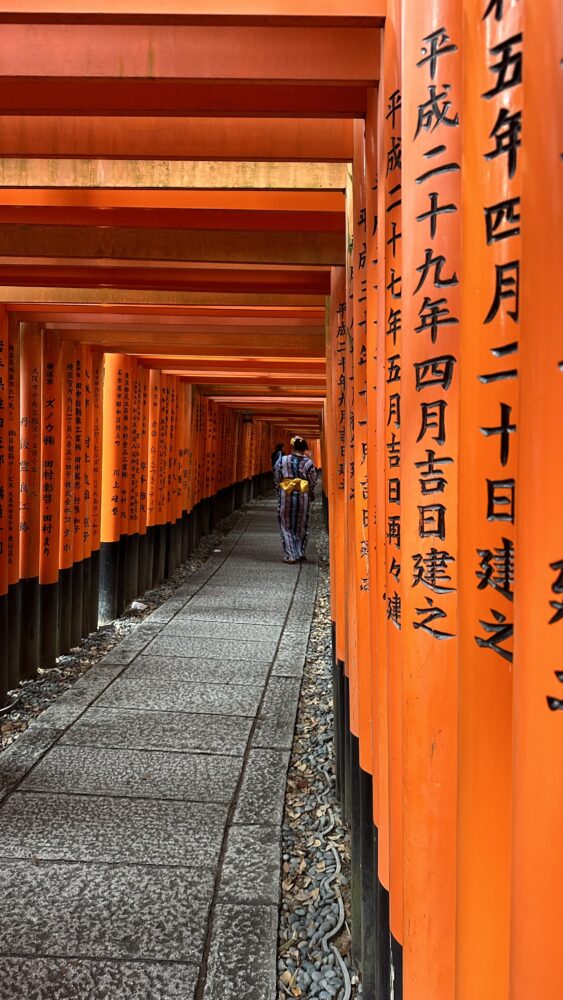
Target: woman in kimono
296	478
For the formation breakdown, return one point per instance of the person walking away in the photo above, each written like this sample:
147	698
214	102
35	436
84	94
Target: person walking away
296	477
276	455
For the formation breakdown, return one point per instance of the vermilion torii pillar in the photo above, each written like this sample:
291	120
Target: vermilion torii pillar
536	956
4	617
491	169
431	274
29	493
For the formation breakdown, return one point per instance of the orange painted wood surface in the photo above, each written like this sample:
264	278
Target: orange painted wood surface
360	482
488	472
4	430
375	353
431	274
51	451
29	450
112	447
537	862
391	514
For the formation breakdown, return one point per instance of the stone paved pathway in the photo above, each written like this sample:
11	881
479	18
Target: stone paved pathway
140	815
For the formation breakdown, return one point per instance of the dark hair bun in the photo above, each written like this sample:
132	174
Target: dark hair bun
300	444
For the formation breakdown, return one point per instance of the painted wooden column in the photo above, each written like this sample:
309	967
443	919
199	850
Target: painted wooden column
181	516
51	469
331	487
171	481
153	471
126	573
337	374
30	489
143	583
390	532
134	487
14	588
351	711
492	121
363	817
66	498
96	484
4	615
87	488
536	956
163	444
78	499
112	450
377	461
431	257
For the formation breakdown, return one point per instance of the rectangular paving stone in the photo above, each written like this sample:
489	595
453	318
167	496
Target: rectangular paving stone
94	828
17	759
249	576
183	668
136	774
75	700
293	645
262	791
78	979
127	650
288	666
242	616
104	911
142	730
276	724
213	599
177	645
251	866
187	626
209	699
242	959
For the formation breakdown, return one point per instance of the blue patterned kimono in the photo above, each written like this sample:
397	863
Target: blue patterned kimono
293	504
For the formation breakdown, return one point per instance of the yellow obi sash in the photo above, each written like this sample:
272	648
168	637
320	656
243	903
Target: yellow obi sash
289	485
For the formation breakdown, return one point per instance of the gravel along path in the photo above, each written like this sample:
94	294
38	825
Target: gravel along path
35	695
314	938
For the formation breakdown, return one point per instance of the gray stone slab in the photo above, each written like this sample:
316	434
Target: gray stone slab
104	911
262	792
276	724
177	645
251	866
250	576
136	774
78	979
177	668
218	598
21	756
242	959
76	699
127	650
166	611
235	632
93	828
209	699
288	666
239	616
141	730
293	646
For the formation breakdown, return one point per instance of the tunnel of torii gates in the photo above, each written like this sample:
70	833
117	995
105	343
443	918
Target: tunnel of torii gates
229	222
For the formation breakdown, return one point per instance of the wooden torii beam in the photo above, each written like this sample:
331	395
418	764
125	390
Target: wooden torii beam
175	245
191	138
335	13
